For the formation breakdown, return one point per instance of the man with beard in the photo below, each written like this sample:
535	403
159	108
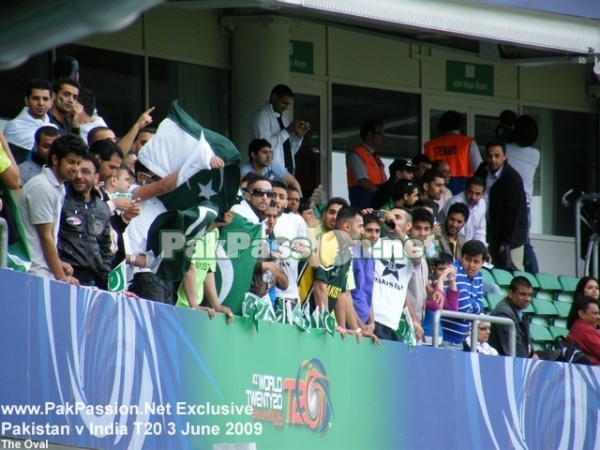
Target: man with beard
404	195
259	194
472	196
66	110
451	239
40	205
261	162
44	137
84	240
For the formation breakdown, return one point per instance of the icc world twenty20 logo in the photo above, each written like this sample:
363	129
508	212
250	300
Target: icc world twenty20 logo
308	398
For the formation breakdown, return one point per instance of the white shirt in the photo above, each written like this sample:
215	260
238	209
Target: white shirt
41	202
85	128
21	130
136	233
475	227
390	281
524	160
289	226
490	179
266	126
486	349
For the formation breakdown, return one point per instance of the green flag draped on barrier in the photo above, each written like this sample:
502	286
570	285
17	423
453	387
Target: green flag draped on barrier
235	261
257	308
117	279
406	332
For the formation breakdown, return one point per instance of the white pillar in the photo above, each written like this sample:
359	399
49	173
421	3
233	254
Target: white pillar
260	58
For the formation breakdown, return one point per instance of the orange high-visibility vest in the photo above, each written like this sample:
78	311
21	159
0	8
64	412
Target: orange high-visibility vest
374	165
454	149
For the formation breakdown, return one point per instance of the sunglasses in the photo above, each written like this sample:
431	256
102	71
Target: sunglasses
261	193
484	328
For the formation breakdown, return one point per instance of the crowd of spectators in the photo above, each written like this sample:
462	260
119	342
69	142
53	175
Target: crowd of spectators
401	249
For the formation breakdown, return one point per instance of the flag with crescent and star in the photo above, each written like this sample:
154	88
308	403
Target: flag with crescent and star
235	261
182	145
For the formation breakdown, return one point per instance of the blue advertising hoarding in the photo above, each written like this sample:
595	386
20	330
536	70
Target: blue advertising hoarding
87	368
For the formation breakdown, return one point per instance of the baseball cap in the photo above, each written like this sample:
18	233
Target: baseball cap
402	164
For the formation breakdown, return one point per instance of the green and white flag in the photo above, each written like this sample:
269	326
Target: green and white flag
405	331
301	316
182	145
258	308
117	279
18	257
328	322
236	261
173	236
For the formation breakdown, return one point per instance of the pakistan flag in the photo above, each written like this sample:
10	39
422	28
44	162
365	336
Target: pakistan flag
182	145
17	256
236	259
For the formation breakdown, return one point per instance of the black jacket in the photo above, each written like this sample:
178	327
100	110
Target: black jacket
507	207
84	235
499	333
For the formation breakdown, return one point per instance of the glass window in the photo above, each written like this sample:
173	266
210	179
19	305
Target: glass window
307	169
202	91
116	79
14	82
399	111
569	157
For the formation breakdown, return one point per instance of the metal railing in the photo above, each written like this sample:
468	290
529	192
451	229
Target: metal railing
591	256
3	242
475	319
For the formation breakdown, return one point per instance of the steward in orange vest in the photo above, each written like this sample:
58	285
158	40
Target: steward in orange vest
460	152
365	170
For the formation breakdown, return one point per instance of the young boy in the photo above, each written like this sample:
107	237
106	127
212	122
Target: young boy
442	279
470	293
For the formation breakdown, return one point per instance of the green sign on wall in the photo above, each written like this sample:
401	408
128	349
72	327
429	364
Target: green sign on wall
301	57
475	79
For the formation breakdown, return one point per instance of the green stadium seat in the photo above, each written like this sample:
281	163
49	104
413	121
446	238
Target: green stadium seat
538	320
486	304
493	300
562	308
487	276
558	331
543	308
502	277
548	282
531	278
561	323
565	297
545	295
568	283
529	310
540	333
